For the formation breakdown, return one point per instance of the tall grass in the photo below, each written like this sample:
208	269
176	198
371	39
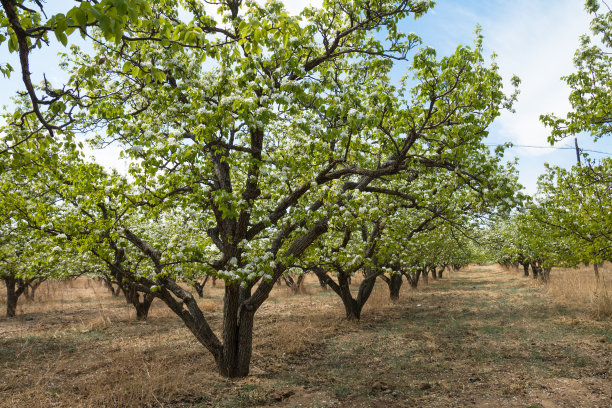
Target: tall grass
580	288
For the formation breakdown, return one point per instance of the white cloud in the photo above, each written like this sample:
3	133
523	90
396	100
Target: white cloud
536	41
109	158
296	6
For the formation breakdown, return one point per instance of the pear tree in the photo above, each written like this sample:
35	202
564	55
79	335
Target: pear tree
576	207
264	127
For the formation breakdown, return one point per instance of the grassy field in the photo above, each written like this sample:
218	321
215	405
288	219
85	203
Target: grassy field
482	337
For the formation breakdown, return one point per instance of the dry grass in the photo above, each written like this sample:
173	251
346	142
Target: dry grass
480	337
580	288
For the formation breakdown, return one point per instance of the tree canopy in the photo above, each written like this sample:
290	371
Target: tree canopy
259	142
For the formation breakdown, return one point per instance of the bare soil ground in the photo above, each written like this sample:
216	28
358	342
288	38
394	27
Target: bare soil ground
483	337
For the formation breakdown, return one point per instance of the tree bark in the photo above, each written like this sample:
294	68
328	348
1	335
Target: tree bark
352	306
545	274
425	275
30	289
596	270
299	283
237	334
184	305
395	284
294	284
319	272
535	269
142	306
526	269
413	278
14	288
11	297
199	286
108	282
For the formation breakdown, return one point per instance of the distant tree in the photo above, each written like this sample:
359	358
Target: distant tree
21	264
575	206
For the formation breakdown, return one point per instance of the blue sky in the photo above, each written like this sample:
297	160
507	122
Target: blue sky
534	39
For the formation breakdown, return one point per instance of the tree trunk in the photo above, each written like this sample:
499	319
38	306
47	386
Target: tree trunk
545	274
199	287
142	309
235	358
299	282
11	296
132	296
184	305
535	269
352	307
394	282
413	278
426	276
526	269
440	272
318	272
288	281
434	275
14	289
31	292
294	284
108	282
30	288
596	270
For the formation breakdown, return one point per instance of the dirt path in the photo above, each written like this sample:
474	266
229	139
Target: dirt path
483	337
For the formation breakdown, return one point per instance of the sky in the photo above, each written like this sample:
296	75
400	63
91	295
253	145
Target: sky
534	39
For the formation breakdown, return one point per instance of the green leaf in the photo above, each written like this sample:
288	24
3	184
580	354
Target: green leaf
127	67
13	44
61	37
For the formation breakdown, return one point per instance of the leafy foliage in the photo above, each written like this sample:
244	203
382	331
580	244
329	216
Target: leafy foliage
258	142
591	84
